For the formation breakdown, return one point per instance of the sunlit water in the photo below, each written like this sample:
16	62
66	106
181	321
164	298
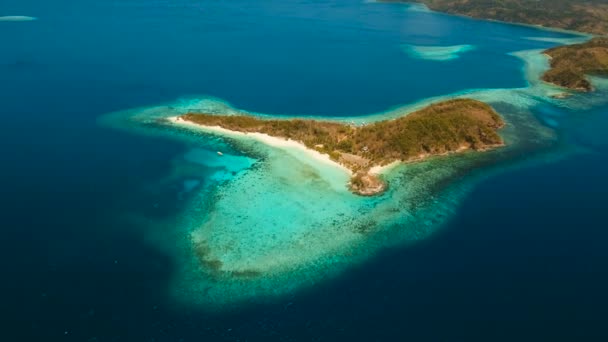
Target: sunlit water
84	91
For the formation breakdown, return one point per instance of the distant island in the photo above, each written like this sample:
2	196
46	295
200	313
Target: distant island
445	127
570	64
590	16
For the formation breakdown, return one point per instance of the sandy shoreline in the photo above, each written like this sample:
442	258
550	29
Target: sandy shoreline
378	170
289	145
281	143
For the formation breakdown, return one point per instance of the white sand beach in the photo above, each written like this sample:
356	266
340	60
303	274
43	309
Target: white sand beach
378	169
285	144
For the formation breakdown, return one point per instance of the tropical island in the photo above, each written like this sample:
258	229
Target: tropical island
590	16
571	63
446	127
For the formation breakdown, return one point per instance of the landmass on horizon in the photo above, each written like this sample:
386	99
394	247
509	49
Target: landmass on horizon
569	64
589	16
438	129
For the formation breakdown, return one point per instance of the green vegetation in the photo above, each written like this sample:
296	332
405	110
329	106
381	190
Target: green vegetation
570	64
589	16
444	127
439	128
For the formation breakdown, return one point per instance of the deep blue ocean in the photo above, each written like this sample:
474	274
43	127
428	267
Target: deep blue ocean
523	259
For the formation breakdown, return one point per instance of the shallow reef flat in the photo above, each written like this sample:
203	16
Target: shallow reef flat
559	40
278	221
436	53
16	18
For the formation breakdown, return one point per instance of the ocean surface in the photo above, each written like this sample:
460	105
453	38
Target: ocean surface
117	226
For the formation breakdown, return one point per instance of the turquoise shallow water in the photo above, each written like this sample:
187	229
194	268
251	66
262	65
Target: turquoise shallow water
137	220
436	53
